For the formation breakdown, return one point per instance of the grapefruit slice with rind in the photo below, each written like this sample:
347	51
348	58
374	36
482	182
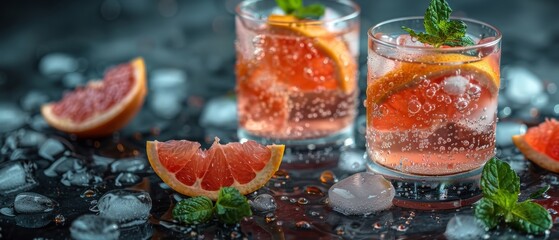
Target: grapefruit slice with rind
101	107
330	54
540	144
394	90
195	172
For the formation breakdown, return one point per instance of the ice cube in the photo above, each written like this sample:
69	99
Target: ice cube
29	202
361	194
505	131
81	177
464	227
16	176
50	149
73	80
142	231
128	207
126	179
33	100
455	85
37	220
165	105
263	203
220	112
169	80
29	138
38	123
522	85
11	117
129	165
7	212
93	227
63	165
56	64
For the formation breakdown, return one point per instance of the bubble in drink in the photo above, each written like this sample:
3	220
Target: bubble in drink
361	194
127	207
93	227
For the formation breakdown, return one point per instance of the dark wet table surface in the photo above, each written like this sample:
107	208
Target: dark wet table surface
52	47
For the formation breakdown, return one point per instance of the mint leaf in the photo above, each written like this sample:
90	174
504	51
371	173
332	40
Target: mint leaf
500	183
539	193
440	30
488	212
530	217
289	6
296	8
193	210
231	206
313	11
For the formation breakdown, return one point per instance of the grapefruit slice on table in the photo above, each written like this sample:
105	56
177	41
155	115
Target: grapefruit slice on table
195	172
101	107
541	144
395	89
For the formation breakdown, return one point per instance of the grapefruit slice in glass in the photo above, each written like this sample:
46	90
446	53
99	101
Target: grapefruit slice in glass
541	144
195	172
393	93
101	107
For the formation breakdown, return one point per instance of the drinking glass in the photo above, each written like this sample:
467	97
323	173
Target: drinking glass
297	79
431	112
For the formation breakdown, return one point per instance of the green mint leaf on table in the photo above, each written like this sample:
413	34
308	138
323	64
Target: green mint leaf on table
297	9
231	206
501	187
193	210
440	30
540	192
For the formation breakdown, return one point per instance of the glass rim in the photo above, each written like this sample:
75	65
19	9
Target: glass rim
426	48
354	14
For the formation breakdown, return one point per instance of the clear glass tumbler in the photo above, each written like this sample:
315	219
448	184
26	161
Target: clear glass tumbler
431	112
297	79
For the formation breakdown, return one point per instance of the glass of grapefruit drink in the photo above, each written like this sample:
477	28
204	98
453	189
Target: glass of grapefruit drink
297	77
431	111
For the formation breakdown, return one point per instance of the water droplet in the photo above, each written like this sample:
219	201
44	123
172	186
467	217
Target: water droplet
312	190
281	174
303	225
284	198
340	230
88	193
303	201
377	225
461	104
402	228
270	217
328	177
59	219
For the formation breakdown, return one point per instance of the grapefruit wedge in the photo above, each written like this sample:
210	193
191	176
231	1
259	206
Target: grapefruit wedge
101	107
195	172
540	144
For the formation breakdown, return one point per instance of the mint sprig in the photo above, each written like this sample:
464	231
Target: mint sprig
231	207
440	29
297	9
501	187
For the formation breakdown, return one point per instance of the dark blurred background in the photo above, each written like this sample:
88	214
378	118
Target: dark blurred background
60	44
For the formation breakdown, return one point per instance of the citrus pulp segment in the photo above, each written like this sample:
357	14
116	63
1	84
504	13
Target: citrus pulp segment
540	144
101	107
195	172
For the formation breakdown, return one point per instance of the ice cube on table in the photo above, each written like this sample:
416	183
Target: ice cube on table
50	149
63	165
361	194
129	165
29	202
127	207
263	203
353	160
57	64
464	227
33	100
29	138
11	117
126	178
166	105
505	131
169	80
93	227
522	86
220	112
16	176
80	177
